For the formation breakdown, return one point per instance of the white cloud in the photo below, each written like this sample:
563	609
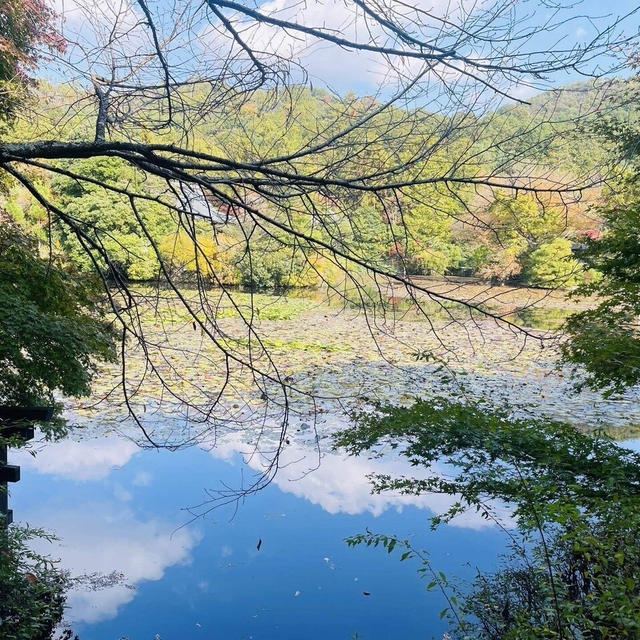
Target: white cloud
142	479
339	484
103	38
96	22
326	61
120	493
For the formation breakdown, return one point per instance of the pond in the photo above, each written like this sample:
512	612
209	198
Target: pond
160	563
273	566
119	509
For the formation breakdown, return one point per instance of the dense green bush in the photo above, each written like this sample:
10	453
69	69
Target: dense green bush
603	340
272	266
552	265
574	570
51	330
108	219
32	588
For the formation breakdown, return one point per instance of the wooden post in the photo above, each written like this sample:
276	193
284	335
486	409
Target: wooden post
6	515
13	414
13	424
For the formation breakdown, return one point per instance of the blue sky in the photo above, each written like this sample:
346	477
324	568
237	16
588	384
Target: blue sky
577	22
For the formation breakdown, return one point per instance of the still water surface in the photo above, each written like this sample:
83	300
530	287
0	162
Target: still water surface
116	507
123	516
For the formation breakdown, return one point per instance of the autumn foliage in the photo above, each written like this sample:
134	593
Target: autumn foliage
27	30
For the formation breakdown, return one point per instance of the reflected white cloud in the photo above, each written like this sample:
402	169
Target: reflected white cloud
340	484
633	444
102	538
108	536
335	482
78	459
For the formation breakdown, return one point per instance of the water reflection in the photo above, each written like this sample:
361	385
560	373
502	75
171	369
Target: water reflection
115	509
100	537
335	482
79	459
341	484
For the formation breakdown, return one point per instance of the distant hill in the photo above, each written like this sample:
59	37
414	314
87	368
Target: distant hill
561	128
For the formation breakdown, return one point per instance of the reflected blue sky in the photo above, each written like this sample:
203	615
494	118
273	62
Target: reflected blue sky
116	508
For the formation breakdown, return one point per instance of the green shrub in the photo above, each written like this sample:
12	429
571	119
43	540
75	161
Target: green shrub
552	265
32	588
52	333
574	571
277	267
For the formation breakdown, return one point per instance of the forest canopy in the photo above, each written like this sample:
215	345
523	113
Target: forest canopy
506	237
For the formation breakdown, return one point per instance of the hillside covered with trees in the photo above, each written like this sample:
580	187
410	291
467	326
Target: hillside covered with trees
467	230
